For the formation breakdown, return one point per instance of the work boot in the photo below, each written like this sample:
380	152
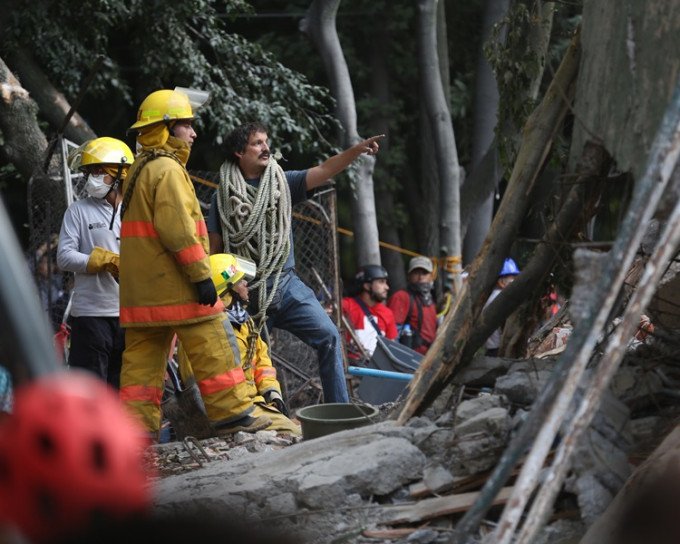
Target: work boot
247	424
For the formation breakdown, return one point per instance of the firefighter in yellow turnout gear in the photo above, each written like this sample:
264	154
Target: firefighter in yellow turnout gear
165	277
230	276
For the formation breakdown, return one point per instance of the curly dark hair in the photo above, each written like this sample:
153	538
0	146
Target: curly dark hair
237	140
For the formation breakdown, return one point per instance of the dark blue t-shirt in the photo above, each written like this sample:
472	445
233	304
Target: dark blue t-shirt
297	182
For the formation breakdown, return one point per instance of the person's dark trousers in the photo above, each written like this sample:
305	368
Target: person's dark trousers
97	345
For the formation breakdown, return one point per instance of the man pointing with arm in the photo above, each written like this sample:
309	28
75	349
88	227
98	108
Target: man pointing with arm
250	214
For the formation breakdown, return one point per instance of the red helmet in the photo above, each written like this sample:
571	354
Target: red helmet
69	454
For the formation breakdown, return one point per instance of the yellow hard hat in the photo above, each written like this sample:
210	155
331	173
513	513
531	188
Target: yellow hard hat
228	270
163	106
108	152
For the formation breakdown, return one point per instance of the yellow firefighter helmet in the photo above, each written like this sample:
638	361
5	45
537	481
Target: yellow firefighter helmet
228	270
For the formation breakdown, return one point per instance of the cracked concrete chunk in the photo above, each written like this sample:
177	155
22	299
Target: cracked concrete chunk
280	505
495	421
522	387
436	478
472	407
378	467
593	497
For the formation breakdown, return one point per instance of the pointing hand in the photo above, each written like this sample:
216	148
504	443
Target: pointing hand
371	145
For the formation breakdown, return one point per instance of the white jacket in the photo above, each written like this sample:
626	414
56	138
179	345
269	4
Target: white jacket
86	224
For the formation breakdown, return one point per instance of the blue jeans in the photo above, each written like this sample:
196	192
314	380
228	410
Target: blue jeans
301	314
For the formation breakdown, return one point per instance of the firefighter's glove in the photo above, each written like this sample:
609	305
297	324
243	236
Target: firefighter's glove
103	260
274	398
207	294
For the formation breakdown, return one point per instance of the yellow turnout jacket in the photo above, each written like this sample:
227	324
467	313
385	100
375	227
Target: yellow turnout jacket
164	243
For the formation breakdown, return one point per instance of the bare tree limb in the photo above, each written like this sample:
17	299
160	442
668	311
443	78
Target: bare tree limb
548	411
51	102
24	142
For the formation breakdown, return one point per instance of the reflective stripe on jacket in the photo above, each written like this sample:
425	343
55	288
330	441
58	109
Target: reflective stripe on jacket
164	244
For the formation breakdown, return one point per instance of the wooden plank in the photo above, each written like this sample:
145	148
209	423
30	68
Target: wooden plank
420	489
464	483
436	507
390	533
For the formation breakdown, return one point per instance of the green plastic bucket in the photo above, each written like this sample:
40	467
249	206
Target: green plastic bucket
322	419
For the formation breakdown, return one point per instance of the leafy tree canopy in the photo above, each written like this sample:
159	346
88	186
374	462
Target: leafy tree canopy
149	45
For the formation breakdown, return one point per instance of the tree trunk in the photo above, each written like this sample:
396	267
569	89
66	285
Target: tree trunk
451	347
479	189
319	25
483	141
392	260
424	192
442	129
539	40
51	102
24	143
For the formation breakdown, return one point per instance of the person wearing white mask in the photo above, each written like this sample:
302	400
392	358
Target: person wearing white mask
89	245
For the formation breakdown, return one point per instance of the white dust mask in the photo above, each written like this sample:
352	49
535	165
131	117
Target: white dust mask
96	187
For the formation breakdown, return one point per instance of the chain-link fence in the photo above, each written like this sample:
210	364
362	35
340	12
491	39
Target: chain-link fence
48	198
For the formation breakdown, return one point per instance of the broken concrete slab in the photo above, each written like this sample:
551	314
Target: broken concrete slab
636	387
483	372
522	386
472	407
324	473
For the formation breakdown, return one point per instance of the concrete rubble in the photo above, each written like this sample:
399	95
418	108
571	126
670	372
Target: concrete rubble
381	483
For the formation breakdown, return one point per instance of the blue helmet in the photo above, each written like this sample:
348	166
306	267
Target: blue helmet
509	268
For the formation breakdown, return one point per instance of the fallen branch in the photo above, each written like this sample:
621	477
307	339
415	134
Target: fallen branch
436	507
558	394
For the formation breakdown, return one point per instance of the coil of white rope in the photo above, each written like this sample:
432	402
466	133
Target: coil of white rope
256	223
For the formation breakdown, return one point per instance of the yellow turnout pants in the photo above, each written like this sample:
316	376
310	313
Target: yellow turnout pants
213	352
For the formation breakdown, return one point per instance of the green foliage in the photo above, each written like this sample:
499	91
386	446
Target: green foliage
148	45
460	98
516	65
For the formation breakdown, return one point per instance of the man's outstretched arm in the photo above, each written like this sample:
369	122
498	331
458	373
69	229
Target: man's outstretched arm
337	163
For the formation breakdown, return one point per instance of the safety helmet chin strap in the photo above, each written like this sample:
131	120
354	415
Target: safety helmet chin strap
116	180
114	187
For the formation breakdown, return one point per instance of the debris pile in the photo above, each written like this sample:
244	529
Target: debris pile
412	483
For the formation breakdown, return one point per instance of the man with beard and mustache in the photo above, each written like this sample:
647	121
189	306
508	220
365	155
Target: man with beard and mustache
366	311
414	305
250	215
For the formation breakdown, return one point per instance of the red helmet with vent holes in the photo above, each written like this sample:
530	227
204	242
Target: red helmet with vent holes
69	455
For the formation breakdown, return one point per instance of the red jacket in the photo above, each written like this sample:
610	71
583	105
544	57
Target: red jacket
363	328
399	304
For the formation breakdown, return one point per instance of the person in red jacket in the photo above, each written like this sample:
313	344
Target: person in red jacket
415	306
366	311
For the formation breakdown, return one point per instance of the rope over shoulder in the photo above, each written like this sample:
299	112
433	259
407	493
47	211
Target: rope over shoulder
144	157
256	223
